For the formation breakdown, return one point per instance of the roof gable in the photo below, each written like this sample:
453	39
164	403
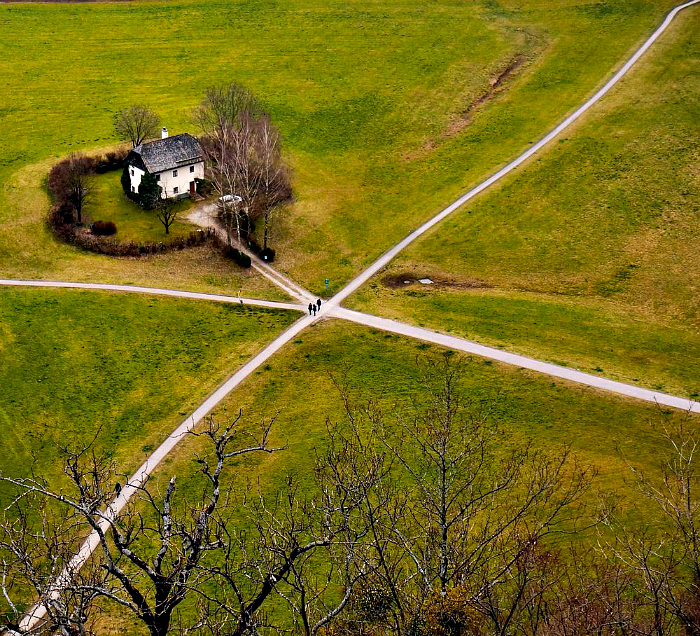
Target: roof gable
168	153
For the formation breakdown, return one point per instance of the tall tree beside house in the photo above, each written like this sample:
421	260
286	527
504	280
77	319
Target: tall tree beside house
243	152
149	192
70	183
126	185
275	186
136	123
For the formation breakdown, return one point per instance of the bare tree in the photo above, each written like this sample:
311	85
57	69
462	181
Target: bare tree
459	513
274	186
79	174
136	123
310	551
167	211
37	547
663	556
224	117
153	551
243	154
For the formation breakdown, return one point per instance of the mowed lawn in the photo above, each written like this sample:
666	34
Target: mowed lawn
109	203
588	256
604	431
388	111
122	368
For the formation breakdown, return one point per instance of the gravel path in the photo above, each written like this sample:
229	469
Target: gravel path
156	291
460	344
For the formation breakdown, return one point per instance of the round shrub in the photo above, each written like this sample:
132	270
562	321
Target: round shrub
268	255
104	228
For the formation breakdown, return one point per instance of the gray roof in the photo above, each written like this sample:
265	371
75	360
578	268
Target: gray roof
169	153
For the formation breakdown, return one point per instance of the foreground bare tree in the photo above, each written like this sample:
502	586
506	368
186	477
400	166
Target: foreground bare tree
152	551
308	550
663	557
136	123
460	512
37	546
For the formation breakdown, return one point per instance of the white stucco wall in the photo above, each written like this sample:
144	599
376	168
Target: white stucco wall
167	181
182	181
135	174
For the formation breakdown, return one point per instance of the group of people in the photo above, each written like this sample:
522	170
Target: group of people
314	307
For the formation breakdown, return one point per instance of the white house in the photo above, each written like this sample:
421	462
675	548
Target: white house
175	161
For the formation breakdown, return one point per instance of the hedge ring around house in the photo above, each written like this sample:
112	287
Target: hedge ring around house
64	187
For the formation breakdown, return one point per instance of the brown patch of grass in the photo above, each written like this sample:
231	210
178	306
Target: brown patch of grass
396	281
460	120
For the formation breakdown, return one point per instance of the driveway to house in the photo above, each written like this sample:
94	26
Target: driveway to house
332	308
204	215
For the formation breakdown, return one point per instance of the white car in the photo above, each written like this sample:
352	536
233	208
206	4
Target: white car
230	198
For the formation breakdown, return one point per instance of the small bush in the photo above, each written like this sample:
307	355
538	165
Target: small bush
203	187
254	246
268	254
243	260
110	161
104	228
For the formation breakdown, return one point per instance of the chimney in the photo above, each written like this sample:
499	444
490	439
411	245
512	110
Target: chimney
164	133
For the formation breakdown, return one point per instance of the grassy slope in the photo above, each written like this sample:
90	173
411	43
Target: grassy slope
132	221
367	97
592	249
129	366
602	429
332	77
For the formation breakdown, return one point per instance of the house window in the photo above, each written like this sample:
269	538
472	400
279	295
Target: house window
132	172
176	190
157	177
191	168
174	173
133	189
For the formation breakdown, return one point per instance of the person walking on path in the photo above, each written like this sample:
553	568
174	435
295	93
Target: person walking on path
318	304
311	306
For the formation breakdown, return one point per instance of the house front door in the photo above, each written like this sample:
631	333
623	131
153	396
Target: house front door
192	188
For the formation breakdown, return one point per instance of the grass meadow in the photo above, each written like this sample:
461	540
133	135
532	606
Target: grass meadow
133	222
387	111
122	368
588	256
604	432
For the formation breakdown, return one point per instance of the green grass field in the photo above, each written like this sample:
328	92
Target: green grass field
374	103
133	223
604	431
125	368
588	256
601	428
388	112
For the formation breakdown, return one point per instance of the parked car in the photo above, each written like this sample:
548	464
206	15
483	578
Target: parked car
230	198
